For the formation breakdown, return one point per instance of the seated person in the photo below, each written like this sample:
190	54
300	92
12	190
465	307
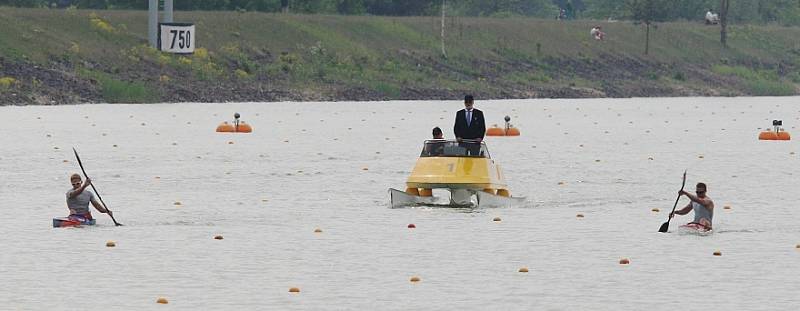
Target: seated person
711	18
435	148
597	33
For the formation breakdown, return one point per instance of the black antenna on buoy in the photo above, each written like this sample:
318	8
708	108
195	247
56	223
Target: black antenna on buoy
508	125
777	124
236	120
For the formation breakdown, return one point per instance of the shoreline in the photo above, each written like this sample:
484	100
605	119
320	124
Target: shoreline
52	57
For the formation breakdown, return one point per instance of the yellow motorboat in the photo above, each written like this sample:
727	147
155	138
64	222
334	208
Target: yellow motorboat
465	169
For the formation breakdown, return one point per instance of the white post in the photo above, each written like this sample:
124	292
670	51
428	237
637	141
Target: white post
444	54
152	23
168	11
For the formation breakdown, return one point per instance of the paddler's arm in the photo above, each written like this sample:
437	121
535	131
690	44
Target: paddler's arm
76	192
100	207
685	210
702	201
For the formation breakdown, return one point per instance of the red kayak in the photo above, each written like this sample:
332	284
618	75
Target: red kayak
62	222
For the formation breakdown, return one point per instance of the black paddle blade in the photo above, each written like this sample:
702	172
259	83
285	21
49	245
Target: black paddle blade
664	227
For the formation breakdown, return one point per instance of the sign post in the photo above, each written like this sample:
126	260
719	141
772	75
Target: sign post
152	22
152	19
176	38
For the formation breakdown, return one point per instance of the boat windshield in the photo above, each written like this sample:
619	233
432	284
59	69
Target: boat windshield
452	148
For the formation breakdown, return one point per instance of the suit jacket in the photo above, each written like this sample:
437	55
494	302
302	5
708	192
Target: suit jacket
476	128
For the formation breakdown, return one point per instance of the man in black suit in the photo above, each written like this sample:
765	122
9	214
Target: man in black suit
470	126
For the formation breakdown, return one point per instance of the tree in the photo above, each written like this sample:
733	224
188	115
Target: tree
647	12
723	21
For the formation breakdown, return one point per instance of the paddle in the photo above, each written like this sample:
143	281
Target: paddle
665	226
95	189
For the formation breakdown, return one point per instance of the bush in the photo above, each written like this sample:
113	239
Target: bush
7	82
117	91
763	87
99	24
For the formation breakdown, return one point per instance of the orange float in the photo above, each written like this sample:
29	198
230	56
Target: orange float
424	192
236	127
777	134
495	131
226	127
509	129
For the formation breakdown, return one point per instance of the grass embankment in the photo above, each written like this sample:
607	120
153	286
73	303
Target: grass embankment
58	56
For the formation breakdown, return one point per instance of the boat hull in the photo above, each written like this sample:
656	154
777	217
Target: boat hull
459	198
63	222
403	199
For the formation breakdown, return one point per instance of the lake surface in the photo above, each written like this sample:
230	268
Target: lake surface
329	165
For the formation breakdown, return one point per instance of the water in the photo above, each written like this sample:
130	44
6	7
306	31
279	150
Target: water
304	168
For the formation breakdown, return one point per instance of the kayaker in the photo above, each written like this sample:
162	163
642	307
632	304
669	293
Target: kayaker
702	205
78	199
470	125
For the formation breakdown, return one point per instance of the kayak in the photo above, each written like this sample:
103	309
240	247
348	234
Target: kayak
62	222
694	229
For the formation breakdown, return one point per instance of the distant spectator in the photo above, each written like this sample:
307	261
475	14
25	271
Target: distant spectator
712	18
597	33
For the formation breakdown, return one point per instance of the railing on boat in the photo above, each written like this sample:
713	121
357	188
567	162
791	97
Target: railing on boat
453	148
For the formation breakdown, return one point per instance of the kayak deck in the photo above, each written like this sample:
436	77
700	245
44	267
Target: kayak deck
694	230
63	222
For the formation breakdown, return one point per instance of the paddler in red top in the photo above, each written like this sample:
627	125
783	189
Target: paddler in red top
702	205
78	199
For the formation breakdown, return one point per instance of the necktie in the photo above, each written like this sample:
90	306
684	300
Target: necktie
469	117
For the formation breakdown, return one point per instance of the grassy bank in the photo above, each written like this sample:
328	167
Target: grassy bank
58	56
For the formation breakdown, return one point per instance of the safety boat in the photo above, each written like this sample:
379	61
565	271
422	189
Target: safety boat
62	222
464	169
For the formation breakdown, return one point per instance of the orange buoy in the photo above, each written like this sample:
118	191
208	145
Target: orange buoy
414	279
489	190
162	300
412	191
317	230
412	226
236	127
768	135
294	290
579	216
423	192
496	219
784	136
717	253
655	210
111	244
624	261
503	193
225	127
244	128
523	269
512	131
495	131
218	237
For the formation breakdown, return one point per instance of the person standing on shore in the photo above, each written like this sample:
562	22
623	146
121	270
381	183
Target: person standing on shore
470	125
702	205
